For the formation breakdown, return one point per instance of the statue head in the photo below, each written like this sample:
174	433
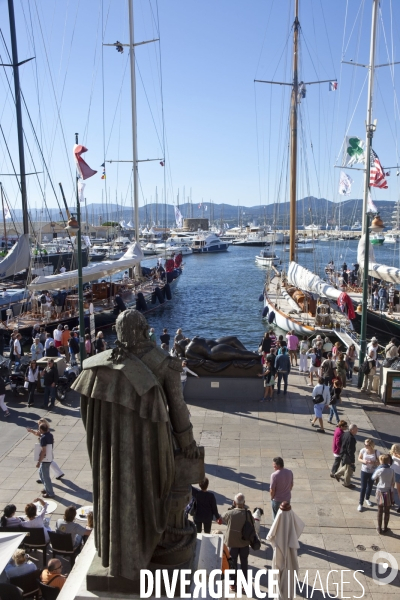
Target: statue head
132	328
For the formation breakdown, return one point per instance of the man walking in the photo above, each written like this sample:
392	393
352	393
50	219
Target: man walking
282	367
292	345
281	484
50	380
348	456
45	459
66	334
165	338
235	518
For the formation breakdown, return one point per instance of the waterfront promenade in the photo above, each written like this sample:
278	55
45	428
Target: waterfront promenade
241	437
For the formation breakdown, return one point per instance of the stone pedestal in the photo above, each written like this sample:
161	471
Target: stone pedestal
208	556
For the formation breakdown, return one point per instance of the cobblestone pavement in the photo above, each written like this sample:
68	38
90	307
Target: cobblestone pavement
241	437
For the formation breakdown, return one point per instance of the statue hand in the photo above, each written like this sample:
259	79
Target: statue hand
191	451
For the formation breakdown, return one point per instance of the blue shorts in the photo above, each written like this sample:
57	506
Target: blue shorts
318	409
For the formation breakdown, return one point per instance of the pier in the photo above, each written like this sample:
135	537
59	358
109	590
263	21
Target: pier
241	436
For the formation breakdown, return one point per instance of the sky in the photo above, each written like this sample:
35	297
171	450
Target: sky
226	137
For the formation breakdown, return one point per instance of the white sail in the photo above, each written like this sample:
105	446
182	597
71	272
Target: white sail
384	272
95	271
310	282
18	258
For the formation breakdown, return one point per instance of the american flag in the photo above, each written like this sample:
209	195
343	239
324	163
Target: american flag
376	174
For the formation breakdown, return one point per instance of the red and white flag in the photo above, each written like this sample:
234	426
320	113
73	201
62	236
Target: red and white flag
83	168
376	174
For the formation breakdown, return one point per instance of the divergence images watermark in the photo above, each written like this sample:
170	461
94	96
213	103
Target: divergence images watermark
203	584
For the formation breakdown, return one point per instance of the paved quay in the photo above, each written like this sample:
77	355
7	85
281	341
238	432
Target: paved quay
241	437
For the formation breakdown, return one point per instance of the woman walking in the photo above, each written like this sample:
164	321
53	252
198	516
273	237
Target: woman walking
369	457
100	343
269	380
336	445
314	364
266	343
32	376
206	507
336	350
384	477
395	455
321	397
351	356
341	369
303	348
335	399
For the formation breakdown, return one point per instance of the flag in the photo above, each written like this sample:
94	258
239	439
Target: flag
130	224
83	168
345	184
332	86
376	174
123	224
353	151
103	165
81	189
206	207
7	214
178	217
371	208
162	163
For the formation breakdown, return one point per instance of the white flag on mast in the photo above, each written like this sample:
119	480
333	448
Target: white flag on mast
178	217
345	184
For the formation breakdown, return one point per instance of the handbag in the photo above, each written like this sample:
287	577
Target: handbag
255	543
26	385
248	531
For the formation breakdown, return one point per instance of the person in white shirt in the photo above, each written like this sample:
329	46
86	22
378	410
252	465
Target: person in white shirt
17	348
4	293
57	335
34	520
184	372
321	398
63	269
373	348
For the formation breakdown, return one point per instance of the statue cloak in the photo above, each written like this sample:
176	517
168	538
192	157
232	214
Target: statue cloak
131	450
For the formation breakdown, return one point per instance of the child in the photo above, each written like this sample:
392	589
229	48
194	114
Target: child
304	346
384	478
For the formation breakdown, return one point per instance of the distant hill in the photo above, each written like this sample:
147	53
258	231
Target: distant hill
309	210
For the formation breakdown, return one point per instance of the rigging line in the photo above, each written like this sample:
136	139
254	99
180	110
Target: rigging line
117	105
94	76
352	117
257	142
32	126
345	27
148	104
361	7
327	37
162	112
354	74
103	26
283	50
391	70
265	35
55	97
395	103
386	112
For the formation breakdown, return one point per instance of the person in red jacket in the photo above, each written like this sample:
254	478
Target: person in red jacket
336	445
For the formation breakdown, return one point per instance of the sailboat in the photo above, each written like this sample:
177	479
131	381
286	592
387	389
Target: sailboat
138	287
289	299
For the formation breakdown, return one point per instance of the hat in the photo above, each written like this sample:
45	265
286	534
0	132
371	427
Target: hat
66	327
373	339
318	337
37	337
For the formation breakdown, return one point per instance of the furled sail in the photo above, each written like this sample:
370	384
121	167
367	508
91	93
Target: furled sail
95	271
384	272
310	282
18	259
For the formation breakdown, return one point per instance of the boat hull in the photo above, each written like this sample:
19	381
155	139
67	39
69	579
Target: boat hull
285	322
220	248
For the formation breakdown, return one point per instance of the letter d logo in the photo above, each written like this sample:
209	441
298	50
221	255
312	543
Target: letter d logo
384	568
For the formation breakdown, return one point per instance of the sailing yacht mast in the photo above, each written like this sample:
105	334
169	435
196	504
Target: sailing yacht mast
293	134
370	126
17	89
134	120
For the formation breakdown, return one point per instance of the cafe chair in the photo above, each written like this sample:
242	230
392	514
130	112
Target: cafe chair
61	544
48	592
35	540
29	584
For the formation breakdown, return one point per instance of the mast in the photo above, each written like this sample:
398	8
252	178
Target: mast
134	120
17	89
293	135
370	126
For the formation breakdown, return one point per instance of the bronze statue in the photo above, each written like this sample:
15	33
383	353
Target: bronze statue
142	452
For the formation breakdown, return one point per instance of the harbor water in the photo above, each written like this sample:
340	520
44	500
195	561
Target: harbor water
218	293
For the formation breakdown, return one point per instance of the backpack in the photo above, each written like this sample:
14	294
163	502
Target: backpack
248	531
317	362
366	367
